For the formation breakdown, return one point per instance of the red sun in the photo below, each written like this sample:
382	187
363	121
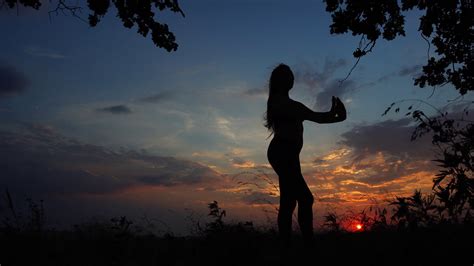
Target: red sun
358	227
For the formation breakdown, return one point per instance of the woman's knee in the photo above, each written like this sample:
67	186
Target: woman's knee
306	199
287	203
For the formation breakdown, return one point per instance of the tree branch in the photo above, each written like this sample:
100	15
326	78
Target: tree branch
63	8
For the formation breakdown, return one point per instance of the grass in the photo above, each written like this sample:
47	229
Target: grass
120	242
100	245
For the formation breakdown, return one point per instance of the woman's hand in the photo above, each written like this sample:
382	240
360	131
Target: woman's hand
333	110
338	110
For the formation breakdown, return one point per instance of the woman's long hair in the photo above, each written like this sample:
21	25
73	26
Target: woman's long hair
281	81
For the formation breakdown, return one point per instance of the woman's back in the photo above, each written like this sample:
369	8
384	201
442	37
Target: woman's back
287	125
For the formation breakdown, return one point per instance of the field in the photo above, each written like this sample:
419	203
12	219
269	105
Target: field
118	242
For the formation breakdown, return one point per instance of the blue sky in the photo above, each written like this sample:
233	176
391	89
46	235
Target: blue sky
108	86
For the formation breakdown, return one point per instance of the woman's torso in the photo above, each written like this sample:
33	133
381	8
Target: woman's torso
288	128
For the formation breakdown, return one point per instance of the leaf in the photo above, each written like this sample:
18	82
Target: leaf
386	110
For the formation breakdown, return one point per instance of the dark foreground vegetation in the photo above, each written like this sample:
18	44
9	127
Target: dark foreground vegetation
120	242
100	245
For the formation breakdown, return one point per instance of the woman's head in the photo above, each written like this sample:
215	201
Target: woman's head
281	80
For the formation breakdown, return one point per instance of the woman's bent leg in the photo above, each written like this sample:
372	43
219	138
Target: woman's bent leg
305	211
305	217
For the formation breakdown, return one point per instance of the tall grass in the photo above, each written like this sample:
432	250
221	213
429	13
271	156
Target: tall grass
27	240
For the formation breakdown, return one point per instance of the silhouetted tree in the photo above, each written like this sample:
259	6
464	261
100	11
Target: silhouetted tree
415	211
448	25
332	222
218	214
453	186
131	12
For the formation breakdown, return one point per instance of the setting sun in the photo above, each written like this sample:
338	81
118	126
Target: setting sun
358	227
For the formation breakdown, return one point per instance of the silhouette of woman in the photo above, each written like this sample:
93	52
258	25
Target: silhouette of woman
284	118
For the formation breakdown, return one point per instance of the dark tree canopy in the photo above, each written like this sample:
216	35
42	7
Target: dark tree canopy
132	12
448	25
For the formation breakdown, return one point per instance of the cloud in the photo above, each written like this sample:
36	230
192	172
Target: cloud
332	199
412	71
373	162
380	157
157	98
314	79
261	91
12	81
178	172
377	177
322	83
373	155
115	109
409	70
41	52
37	160
333	88
240	163
391	136
258	197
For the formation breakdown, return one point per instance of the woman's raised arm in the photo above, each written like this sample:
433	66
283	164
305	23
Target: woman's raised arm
336	114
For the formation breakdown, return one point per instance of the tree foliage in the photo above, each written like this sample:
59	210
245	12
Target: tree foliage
453	185
416	211
140	13
448	25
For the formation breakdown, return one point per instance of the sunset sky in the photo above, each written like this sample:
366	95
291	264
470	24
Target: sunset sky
99	122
